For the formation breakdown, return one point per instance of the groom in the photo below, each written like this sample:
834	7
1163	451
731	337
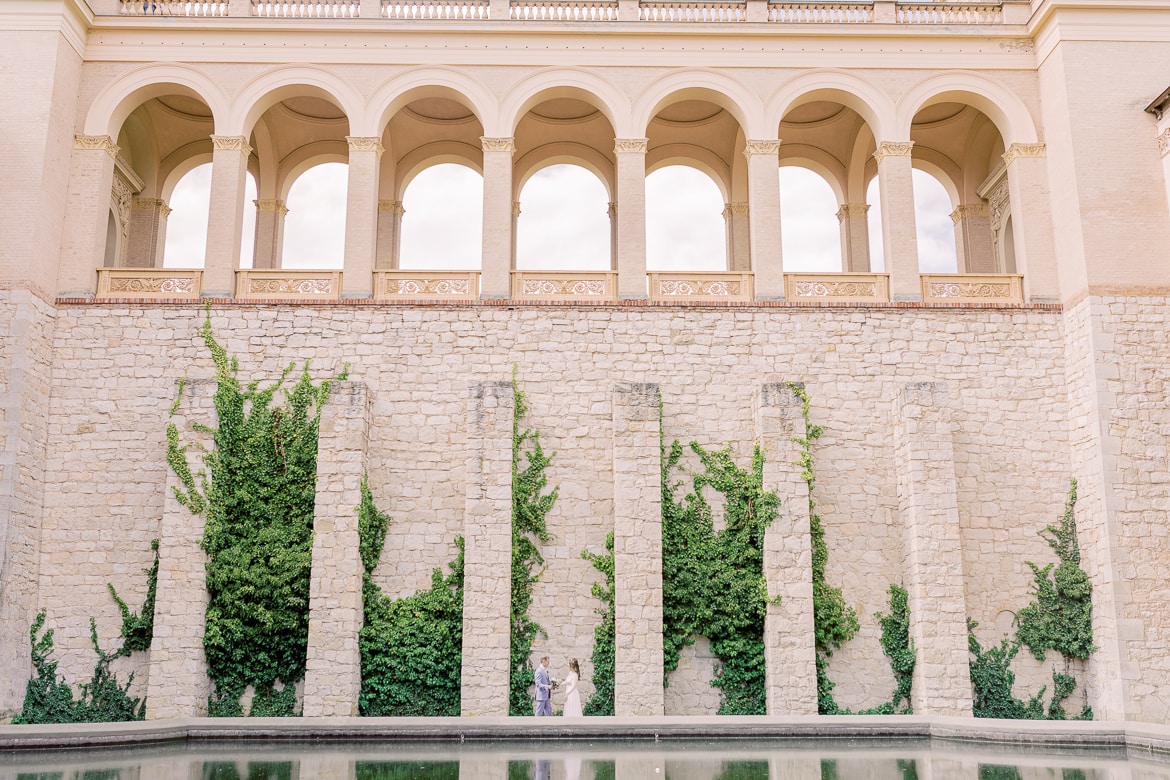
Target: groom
543	689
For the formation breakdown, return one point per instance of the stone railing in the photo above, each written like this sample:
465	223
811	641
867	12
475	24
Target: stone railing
307	9
564	285
435	9
950	13
569	11
655	11
820	13
426	285
149	283
973	288
695	286
173	8
855	288
288	284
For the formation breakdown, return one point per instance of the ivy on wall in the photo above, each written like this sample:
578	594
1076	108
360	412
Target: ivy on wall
258	534
530	505
604	635
49	699
411	648
1058	618
713	583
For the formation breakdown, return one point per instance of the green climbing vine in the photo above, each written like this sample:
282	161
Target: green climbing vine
1058	618
604	635
49	699
713	582
530	505
258	533
411	648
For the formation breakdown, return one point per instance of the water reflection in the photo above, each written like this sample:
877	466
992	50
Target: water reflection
581	760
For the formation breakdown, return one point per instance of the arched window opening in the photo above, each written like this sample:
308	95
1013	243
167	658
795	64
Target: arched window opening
810	230
564	221
934	226
685	226
442	220
1008	250
186	225
314	228
111	254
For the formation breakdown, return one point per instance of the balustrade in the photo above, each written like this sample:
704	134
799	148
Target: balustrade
307	9
820	13
692	12
173	8
567	11
949	13
973	288
149	283
436	9
850	288
564	285
694	286
288	284
426	285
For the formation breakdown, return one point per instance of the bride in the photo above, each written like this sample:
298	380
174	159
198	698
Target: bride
572	694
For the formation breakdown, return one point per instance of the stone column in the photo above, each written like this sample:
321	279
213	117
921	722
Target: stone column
361	217
933	550
389	235
854	220
333	675
637	550
498	232
147	235
630	259
269	246
896	186
789	646
83	246
764	224
487	533
739	241
1031	211
225	221
178	685
973	239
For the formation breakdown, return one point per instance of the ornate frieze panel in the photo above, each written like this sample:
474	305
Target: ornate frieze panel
149	283
564	285
856	288
288	284
700	286
426	285
973	288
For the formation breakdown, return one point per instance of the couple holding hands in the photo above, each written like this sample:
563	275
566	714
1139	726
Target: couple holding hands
545	685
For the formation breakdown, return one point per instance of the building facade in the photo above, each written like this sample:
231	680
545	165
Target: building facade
956	406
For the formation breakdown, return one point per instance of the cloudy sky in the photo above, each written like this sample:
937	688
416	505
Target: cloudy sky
563	224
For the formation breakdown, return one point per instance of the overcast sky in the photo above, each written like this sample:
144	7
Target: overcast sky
563	224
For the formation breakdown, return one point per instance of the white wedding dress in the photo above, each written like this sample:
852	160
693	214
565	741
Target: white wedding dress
572	697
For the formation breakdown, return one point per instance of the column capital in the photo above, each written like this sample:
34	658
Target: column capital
230	143
515	208
736	209
630	145
1164	142
391	207
893	149
765	146
498	144
852	210
1016	151
968	210
95	143
150	204
612	211
359	143
271	205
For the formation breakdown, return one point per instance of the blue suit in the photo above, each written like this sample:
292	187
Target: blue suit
543	692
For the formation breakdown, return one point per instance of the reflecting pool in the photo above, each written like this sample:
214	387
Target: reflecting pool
584	760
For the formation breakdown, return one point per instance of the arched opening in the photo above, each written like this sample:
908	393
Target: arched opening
685	226
811	234
314	228
934	226
877	247
442	220
186	224
564	221
112	234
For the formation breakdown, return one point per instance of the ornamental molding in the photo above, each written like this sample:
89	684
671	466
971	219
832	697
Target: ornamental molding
852	210
230	143
761	147
515	208
1164	142
631	145
96	143
1016	151
391	207
151	204
359	143
612	211
737	209
1021	45
498	144
968	211
893	149
270	205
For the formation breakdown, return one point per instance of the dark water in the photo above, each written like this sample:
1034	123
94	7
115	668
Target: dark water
692	760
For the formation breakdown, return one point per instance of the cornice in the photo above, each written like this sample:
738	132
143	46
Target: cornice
72	18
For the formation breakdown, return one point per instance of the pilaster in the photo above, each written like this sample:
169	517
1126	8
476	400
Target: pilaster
973	239
389	234
498	222
928	503
361	217
630	259
899	236
333	675
739	248
1031	212
225	220
269	247
487	532
789	647
91	178
854	221
637	550
763	163
147	234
